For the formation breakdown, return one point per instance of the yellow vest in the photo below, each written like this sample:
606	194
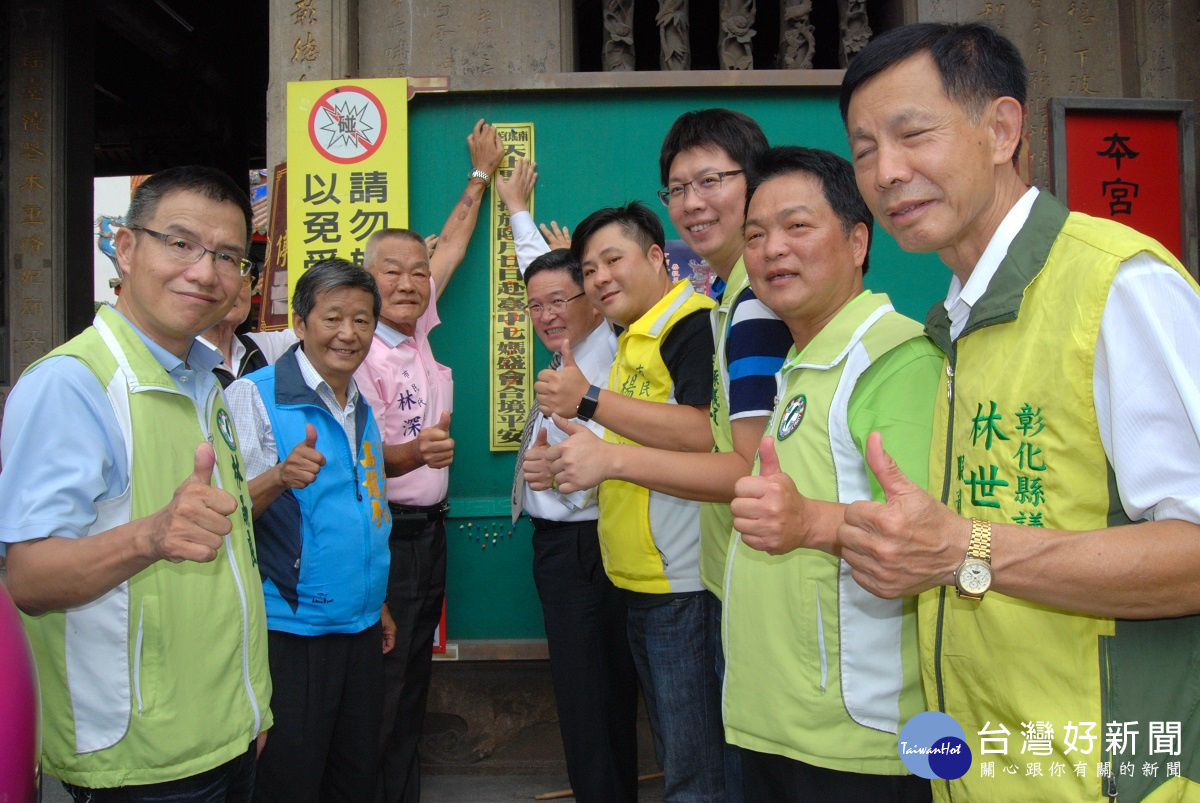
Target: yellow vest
650	541
1019	443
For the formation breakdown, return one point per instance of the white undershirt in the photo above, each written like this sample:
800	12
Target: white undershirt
1146	380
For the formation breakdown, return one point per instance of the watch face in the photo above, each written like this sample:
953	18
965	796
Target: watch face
974	576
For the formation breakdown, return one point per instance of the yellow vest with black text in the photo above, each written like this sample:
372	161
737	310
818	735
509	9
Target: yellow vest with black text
650	541
1020	444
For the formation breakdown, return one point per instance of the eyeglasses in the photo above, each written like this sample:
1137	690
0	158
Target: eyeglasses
703	186
558	306
186	250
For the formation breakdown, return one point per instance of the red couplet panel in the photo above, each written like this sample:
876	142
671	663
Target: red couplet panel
1126	167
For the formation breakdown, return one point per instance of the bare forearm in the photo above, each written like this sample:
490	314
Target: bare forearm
266	488
675	427
401	458
1139	571
702	476
456	233
56	573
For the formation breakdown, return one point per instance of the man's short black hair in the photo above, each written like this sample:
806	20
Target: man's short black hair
976	62
835	174
733	132
207	181
637	222
330	274
560	259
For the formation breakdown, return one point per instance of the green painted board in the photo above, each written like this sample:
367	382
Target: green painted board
594	148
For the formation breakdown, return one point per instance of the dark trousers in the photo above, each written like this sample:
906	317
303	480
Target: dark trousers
770	778
416	588
232	782
591	666
326	701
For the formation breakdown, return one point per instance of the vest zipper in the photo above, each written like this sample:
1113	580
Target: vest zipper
937	645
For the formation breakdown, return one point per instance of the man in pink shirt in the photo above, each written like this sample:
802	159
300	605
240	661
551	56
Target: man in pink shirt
412	395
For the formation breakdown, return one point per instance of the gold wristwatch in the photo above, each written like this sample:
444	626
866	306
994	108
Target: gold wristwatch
973	577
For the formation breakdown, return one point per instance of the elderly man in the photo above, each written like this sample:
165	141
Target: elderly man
145	609
315	467
1060	571
412	395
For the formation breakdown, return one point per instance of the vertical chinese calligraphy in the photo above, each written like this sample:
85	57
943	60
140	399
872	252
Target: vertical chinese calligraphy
510	348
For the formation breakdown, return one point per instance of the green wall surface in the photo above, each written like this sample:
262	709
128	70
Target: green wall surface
593	148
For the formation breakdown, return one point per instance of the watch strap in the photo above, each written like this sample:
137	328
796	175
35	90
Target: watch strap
587	405
477	173
981	540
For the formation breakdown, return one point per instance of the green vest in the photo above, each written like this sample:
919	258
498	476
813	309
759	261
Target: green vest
818	669
166	675
650	541
1020	444
716	522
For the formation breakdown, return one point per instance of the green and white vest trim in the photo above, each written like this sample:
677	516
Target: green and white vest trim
166	675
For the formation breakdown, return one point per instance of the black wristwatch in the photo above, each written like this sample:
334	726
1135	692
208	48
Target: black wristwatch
587	405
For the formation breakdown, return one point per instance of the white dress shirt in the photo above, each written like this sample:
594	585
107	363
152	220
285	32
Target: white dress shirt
594	356
1146	379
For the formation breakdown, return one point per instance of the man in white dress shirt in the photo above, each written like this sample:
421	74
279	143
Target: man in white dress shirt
595	682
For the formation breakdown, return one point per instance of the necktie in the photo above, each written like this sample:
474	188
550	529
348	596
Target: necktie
527	436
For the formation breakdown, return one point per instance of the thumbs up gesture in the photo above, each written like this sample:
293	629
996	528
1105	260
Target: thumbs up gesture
193	524
536	466
907	544
303	462
435	445
581	461
769	512
559	392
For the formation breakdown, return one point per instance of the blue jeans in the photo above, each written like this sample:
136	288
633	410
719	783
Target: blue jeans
675	653
232	782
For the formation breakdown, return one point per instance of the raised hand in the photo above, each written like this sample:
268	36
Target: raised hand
536	467
194	523
435	445
559	392
556	237
516	188
909	543
580	461
485	146
303	462
768	510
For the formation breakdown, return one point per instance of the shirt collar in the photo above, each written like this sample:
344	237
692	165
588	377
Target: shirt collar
393	337
236	351
592	342
201	356
961	298
314	380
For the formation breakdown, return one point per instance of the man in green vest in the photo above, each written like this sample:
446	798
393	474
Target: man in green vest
1060	572
129	542
820	674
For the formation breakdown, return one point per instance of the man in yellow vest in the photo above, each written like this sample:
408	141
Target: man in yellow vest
1060	572
659	386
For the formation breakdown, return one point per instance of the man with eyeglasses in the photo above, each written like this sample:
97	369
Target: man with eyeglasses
132	554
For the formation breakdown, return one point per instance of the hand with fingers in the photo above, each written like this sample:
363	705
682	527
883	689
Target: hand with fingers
435	445
581	460
907	544
559	392
556	237
485	146
536	465
194	523
303	462
516	188
768	511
